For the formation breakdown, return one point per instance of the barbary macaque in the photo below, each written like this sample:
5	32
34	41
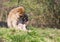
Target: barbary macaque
17	18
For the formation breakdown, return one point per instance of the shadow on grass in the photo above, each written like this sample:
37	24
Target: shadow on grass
3	24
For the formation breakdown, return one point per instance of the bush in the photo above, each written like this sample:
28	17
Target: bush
44	13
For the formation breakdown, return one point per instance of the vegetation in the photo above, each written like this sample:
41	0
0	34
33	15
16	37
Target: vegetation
36	35
41	13
44	13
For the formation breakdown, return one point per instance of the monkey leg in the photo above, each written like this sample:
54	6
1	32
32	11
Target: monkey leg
9	23
14	24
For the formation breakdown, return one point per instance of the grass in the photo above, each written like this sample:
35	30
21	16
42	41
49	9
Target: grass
36	35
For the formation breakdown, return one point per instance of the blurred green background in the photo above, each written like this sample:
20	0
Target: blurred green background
42	13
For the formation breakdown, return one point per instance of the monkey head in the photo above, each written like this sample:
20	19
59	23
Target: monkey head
21	10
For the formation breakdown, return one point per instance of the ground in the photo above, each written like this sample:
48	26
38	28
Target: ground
36	35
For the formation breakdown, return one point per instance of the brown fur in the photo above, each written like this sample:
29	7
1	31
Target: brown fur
14	16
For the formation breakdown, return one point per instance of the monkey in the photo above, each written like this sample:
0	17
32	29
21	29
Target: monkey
14	16
17	19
